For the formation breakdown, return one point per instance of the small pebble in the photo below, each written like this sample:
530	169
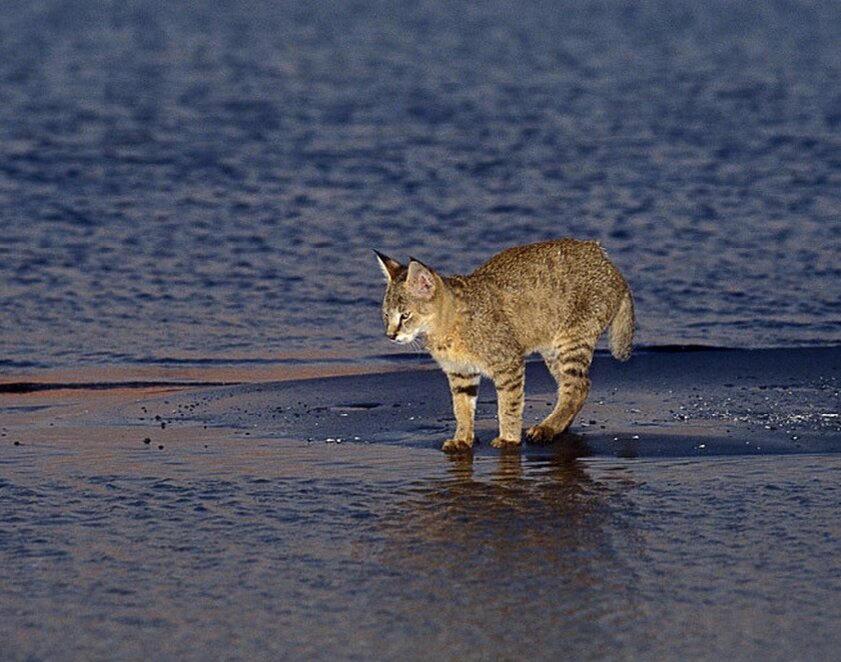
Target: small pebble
147	440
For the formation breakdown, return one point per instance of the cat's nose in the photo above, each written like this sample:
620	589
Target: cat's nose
391	334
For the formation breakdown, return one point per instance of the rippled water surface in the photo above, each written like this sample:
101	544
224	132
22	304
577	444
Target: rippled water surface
198	184
204	181
247	549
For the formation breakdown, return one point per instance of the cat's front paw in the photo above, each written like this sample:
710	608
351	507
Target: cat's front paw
499	442
540	434
457	445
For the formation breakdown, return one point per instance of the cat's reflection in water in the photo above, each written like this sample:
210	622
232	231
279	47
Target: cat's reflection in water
500	515
562	454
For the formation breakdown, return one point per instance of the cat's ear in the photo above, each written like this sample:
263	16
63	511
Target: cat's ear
421	281
390	267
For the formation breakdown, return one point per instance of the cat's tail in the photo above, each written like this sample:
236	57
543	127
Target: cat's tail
622	329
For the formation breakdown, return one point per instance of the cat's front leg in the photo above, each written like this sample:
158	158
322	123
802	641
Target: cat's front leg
464	388
510	390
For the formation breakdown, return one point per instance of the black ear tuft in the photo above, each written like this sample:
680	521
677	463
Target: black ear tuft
390	267
414	259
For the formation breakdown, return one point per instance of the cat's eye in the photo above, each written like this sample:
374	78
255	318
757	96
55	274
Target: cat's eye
405	316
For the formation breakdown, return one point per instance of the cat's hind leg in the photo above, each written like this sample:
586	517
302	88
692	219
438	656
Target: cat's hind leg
569	362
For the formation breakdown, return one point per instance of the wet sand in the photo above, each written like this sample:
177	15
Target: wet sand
691	511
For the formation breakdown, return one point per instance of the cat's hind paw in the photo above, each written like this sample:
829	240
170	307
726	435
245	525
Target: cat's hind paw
541	434
457	446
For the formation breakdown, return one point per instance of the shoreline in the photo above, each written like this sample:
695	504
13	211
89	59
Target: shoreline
238	370
661	403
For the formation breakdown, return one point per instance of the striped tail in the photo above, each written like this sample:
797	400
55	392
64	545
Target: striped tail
622	329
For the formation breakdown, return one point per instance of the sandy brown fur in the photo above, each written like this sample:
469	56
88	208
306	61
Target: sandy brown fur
554	297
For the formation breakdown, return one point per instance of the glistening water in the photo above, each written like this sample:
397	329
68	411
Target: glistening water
199	184
361	552
203	182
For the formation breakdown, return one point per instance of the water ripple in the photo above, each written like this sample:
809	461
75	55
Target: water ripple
178	182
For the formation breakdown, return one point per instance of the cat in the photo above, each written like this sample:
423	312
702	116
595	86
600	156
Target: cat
554	297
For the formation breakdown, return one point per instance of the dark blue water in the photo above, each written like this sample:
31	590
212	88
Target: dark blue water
263	551
204	181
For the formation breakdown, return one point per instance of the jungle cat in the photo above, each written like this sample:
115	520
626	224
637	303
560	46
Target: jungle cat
554	297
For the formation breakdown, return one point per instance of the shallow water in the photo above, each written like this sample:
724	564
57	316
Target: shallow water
188	188
253	549
691	514
202	184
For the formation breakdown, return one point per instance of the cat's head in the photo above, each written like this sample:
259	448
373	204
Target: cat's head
409	305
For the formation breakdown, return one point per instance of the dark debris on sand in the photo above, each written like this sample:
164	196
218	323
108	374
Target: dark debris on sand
660	403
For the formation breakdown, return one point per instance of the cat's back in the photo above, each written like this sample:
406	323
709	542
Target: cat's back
540	287
546	262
